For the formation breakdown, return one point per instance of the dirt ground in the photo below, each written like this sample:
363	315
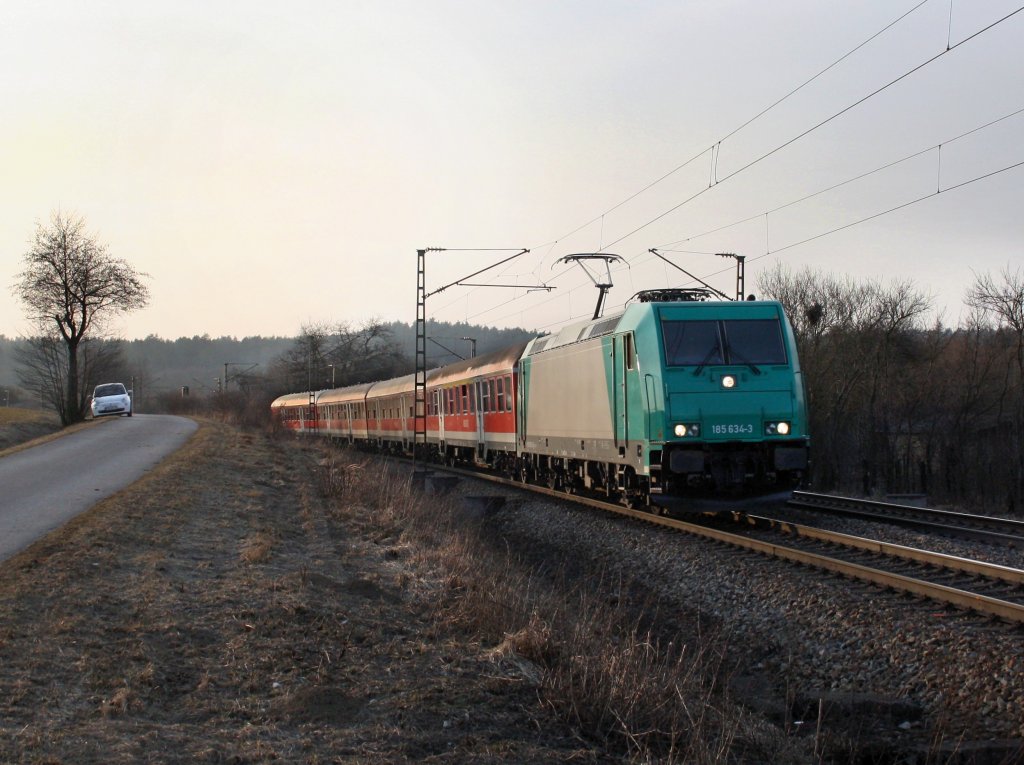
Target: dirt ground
216	612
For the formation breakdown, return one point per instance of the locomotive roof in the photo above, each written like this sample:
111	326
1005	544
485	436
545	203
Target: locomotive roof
573	333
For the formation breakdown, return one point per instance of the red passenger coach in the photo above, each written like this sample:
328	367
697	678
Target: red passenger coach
391	405
470	410
296	412
342	413
471	406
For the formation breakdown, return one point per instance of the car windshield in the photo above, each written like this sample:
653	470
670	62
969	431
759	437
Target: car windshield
114	389
733	341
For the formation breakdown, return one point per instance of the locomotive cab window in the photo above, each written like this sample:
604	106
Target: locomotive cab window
732	341
754	341
689	343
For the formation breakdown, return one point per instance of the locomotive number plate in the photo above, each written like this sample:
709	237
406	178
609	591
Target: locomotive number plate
732	429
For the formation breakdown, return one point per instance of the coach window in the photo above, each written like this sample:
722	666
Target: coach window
485	396
508	393
500	398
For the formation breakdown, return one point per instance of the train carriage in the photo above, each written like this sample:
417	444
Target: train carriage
295	411
471	406
343	413
391	403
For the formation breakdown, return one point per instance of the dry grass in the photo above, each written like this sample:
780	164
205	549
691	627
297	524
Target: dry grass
583	642
21	426
221	611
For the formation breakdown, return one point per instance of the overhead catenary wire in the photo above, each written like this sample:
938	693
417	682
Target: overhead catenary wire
950	47
715	147
777	250
819	125
840	184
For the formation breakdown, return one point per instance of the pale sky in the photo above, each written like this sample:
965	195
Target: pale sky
275	164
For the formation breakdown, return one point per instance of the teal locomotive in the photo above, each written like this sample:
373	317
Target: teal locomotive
671	397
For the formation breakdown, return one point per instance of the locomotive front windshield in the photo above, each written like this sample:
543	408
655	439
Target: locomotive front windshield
729	341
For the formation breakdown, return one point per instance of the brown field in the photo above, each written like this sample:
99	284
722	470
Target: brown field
218	612
260	600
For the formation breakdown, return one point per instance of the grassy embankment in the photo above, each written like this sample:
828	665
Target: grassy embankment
18	426
255	599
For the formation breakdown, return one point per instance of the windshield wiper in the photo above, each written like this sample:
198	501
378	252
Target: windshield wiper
700	367
739	357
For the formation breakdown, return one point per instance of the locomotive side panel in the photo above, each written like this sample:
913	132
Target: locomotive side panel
567	403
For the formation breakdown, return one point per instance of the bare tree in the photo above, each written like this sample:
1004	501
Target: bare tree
341	355
70	285
43	368
1005	302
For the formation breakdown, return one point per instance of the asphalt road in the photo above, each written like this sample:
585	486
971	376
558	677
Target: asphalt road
43	487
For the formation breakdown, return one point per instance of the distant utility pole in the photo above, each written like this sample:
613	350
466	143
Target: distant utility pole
420	385
472	346
249	368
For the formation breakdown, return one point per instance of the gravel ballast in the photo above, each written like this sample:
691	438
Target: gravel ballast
805	641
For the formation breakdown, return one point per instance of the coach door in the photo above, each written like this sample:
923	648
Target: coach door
476	401
441	402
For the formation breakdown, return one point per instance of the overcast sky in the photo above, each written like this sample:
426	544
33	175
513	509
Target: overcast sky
275	164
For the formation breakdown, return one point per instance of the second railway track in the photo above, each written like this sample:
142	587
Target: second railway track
982	528
961	582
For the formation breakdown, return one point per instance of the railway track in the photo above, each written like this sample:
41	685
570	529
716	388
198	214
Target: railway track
982	528
967	584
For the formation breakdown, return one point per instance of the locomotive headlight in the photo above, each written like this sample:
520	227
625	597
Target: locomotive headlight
776	428
680	431
728	381
688	429
783	428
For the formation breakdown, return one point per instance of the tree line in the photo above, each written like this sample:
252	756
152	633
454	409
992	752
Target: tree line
900	403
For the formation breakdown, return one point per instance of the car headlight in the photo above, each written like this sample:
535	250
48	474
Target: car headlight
776	428
687	429
728	381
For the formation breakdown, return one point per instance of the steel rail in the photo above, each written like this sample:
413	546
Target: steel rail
985	528
914	554
960	598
